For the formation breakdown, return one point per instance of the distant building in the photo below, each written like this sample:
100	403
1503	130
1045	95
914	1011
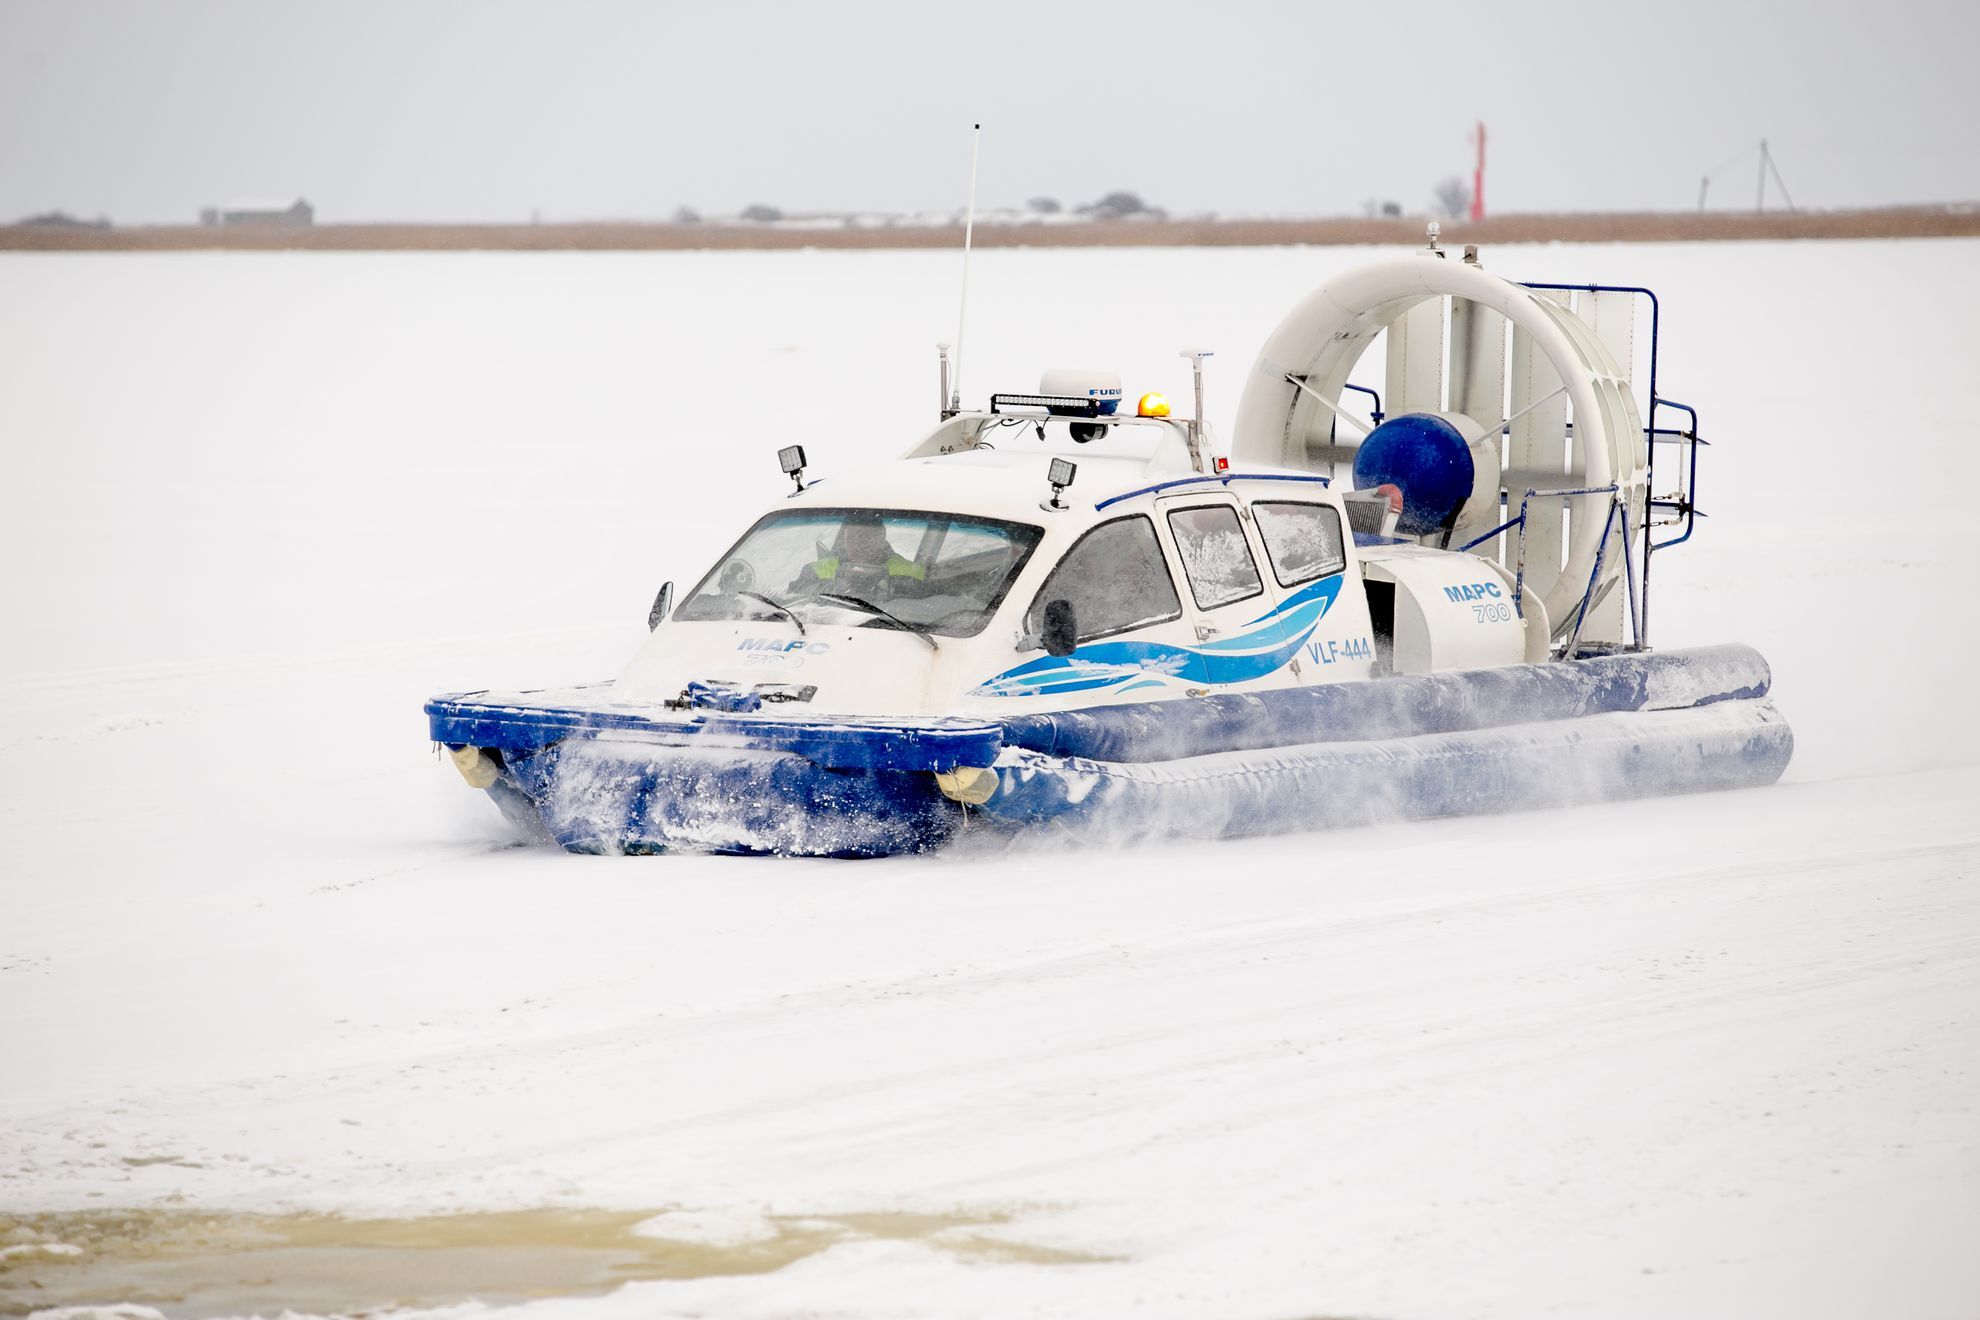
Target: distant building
289	211
63	220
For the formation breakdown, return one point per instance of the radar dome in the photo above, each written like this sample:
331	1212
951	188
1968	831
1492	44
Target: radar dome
1103	387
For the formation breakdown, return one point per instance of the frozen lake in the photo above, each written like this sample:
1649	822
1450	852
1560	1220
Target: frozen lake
263	954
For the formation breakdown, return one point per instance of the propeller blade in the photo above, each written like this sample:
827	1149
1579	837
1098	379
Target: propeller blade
1536	455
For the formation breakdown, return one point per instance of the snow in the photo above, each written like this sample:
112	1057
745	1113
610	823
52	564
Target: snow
262	951
1216	560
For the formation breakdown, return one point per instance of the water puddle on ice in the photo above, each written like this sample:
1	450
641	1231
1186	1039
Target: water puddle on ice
185	1264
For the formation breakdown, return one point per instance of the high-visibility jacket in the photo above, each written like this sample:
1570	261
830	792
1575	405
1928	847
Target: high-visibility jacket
828	568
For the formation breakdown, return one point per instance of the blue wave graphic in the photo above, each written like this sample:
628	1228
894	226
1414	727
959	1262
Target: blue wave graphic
1297	614
1272	639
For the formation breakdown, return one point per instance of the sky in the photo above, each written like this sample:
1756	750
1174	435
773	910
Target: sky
502	111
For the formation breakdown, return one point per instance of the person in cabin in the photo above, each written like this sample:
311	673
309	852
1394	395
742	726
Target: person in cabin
864	562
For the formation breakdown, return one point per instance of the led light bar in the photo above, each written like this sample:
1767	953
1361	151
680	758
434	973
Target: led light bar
1059	405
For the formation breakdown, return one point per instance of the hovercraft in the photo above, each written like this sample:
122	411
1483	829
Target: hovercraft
1061	613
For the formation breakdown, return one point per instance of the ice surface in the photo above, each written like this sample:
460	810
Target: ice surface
260	950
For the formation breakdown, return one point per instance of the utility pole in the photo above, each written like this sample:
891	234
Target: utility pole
1478	178
1760	196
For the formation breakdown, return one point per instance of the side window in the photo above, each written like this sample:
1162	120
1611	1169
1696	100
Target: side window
1303	541
1115	578
1215	558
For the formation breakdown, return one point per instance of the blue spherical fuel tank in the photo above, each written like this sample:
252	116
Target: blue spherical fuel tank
1424	457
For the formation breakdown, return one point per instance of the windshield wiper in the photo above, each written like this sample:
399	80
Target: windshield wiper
776	605
879	613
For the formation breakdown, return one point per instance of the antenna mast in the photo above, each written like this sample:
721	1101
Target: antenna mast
969	231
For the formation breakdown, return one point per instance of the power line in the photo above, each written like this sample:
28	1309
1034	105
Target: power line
1767	166
1778	180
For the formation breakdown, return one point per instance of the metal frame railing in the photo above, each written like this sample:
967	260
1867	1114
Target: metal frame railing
1618	510
1684	501
1681	503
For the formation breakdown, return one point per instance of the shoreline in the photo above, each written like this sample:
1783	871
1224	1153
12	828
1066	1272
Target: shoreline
1955	220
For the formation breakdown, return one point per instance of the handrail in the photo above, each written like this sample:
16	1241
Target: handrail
1629	579
1688	503
1375	413
1594	576
1649	420
1519	576
1507	525
1224	478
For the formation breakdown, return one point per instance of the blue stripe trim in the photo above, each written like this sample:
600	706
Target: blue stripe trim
1222	478
1112	500
1229	477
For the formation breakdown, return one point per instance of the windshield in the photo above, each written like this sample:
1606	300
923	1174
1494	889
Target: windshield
931	572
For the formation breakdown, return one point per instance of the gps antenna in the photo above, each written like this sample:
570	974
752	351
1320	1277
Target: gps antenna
969	232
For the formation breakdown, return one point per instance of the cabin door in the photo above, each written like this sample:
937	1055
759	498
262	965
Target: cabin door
1323	609
1132	635
1229	602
